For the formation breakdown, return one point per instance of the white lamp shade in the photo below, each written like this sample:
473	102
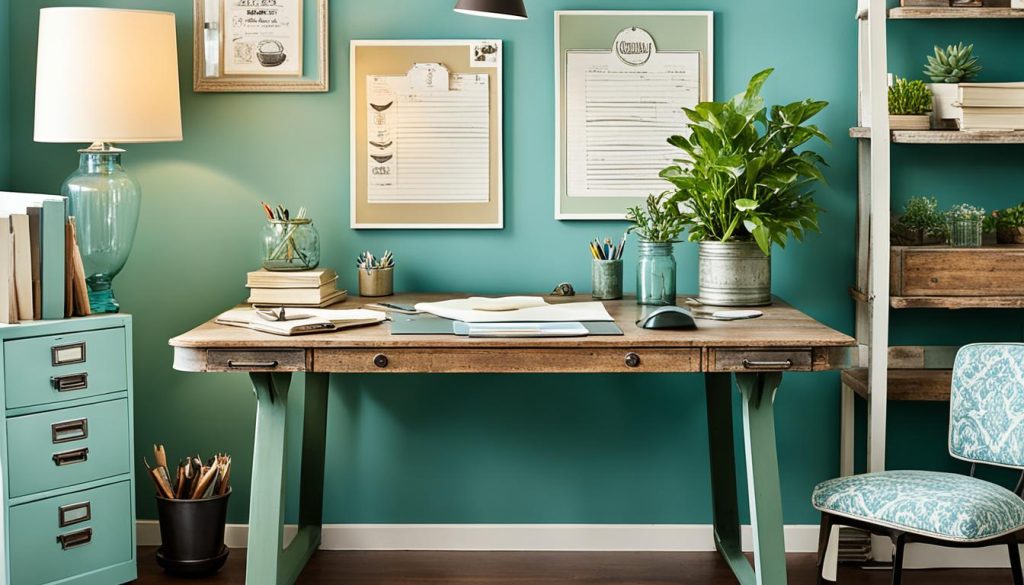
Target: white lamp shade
107	75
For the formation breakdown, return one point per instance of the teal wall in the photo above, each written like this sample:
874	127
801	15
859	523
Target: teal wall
5	96
527	449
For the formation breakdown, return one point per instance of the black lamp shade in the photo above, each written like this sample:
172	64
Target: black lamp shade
510	9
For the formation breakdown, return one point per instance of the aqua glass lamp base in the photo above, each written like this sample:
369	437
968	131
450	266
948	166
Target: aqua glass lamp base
104	200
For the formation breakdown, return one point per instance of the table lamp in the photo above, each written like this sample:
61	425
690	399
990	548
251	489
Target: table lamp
510	9
105	76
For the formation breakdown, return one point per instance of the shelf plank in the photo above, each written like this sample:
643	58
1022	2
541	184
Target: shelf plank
946	136
905	385
954	303
989	277
939	12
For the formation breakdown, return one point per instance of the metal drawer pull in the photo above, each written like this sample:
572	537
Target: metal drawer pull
767	365
248	365
63	355
74	514
75	539
70	430
70	382
71	457
632	360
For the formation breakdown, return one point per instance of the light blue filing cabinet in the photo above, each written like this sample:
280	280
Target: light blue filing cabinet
66	455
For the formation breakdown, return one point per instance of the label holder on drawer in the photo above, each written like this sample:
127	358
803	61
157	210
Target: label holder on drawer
72	514
64	355
69	431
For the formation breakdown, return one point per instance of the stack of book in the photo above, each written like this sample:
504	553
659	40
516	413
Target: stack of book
308	288
41	272
992	106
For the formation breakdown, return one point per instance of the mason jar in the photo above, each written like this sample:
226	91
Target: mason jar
289	245
965	233
656	274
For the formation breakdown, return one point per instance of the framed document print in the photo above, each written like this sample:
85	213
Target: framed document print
260	45
622	81
426	134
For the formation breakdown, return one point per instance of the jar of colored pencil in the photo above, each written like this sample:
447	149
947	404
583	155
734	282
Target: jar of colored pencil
606	270
290	245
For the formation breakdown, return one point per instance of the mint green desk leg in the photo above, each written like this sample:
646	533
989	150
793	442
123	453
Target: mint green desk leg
267	561
758	395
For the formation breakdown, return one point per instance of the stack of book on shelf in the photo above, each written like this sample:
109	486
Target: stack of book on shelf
41	272
308	288
992	106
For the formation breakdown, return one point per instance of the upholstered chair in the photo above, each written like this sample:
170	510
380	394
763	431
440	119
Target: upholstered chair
986	427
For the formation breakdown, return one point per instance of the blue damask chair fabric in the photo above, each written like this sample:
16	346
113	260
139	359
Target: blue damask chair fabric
940	505
987	405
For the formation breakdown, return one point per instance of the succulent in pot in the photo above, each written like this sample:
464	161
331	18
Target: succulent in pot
921	223
1008	224
743	187
947	68
909	105
966	225
658	228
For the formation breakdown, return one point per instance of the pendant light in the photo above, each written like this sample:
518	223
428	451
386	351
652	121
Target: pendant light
508	9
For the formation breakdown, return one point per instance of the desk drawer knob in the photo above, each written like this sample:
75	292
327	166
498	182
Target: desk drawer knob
380	360
632	360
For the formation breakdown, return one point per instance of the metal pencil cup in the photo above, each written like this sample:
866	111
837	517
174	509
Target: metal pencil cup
376	282
606	278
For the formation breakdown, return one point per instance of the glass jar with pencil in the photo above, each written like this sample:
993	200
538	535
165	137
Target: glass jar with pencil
289	243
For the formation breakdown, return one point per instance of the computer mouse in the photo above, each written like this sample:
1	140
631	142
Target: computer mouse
668	318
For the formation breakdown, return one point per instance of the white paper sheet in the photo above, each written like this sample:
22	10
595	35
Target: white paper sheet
618	117
429	137
262	38
463	310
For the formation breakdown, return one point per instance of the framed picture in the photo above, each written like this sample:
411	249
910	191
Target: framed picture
426	135
260	45
622	81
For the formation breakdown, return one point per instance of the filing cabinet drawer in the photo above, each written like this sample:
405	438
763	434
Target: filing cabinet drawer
773	360
69	535
44	370
61	448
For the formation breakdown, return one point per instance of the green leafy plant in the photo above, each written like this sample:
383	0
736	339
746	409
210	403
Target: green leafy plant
909	98
655	222
921	215
965	212
743	178
1011	217
953	64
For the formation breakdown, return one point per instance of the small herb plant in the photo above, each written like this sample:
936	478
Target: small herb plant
909	98
953	64
655	221
1009	218
921	218
965	212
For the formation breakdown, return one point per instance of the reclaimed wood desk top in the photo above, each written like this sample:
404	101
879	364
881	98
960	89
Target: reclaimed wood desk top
782	334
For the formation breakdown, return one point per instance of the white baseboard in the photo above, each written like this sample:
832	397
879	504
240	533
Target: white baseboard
576	538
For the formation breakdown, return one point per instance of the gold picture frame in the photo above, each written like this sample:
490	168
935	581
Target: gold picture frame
208	50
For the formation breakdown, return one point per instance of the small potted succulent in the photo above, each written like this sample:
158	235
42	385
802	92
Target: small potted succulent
921	223
966	225
947	68
1008	225
909	105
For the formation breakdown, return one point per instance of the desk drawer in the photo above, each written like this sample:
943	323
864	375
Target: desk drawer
44	370
504	361
55	449
242	360
96	533
774	360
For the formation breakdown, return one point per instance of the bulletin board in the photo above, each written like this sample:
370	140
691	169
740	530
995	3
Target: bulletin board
622	78
426	135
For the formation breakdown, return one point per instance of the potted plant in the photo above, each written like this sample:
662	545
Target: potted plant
947	68
920	224
658	228
1008	225
965	225
745	187
909	105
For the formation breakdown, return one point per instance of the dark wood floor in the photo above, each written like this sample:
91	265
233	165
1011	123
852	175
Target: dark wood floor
531	568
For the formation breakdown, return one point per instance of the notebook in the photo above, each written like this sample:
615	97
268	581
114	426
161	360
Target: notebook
315	321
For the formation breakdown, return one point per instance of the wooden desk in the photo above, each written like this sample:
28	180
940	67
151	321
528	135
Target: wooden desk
757	351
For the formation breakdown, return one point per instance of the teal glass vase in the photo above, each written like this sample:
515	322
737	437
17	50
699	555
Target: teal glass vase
104	200
656	274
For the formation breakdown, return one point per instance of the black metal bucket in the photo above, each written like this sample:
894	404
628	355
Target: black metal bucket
192	535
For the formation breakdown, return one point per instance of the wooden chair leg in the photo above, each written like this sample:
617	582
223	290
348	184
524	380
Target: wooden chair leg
900	540
1014	550
824	535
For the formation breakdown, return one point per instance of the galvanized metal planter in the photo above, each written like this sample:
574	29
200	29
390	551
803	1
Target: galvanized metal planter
734	274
